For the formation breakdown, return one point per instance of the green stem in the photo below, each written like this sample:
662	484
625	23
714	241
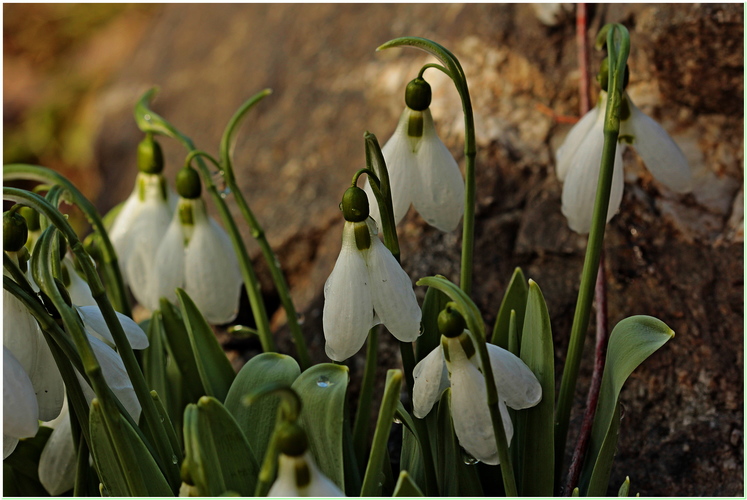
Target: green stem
362	416
112	273
383	192
278	278
381	435
251	283
456	73
617	60
148	121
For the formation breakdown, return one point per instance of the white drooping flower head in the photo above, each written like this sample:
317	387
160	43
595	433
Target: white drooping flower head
298	474
579	158
422	171
367	287
196	254
141	222
454	363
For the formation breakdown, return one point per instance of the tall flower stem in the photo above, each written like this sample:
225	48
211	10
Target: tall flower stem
112	273
363	414
148	121
455	72
618	46
281	285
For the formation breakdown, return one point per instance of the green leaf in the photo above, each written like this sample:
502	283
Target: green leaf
535	428
632	341
458	479
406	487
218	458
624	490
435	301
257	420
515	299
154	358
213	366
411	459
123	462
180	350
322	390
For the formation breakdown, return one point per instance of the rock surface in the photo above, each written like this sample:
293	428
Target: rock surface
679	258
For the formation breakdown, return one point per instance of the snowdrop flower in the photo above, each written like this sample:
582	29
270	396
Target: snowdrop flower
143	219
57	461
197	254
454	363
298	475
579	157
367	286
422	171
26	355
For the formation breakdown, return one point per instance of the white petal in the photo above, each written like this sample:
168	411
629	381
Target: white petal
212	275
80	292
348	309
401	163
20	408
9	445
286	484
169	262
576	136
580	187
658	151
115	375
57	460
391	292
320	485
430	379
469	409
22	336
514	381
93	319
438	187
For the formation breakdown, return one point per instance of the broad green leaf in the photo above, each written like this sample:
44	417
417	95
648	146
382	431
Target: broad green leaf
515	299
154	358
435	301
213	366
632	341
322	390
406	487
257	420
123	462
535	425
177	399
218	458
180	351
457	477
17	484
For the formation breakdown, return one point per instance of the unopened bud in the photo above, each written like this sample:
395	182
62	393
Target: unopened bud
355	204
188	183
418	95
15	231
149	156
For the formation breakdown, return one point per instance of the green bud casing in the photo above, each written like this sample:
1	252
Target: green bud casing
355	204
450	321
149	156
15	231
418	95
188	183
292	440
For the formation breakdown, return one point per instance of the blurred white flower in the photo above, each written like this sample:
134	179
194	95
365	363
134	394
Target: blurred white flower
20	406
300	477
579	157
449	364
423	172
196	254
138	229
366	287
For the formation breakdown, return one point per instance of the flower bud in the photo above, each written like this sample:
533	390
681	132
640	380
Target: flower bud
292	440
418	95
355	204
450	321
188	183
15	231
149	156
31	216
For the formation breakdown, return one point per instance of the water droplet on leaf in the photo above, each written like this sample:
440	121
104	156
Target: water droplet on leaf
323	382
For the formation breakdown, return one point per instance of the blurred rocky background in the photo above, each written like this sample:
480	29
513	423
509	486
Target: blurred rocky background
72	74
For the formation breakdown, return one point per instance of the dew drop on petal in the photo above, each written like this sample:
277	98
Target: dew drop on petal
323	382
469	459
396	420
173	459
